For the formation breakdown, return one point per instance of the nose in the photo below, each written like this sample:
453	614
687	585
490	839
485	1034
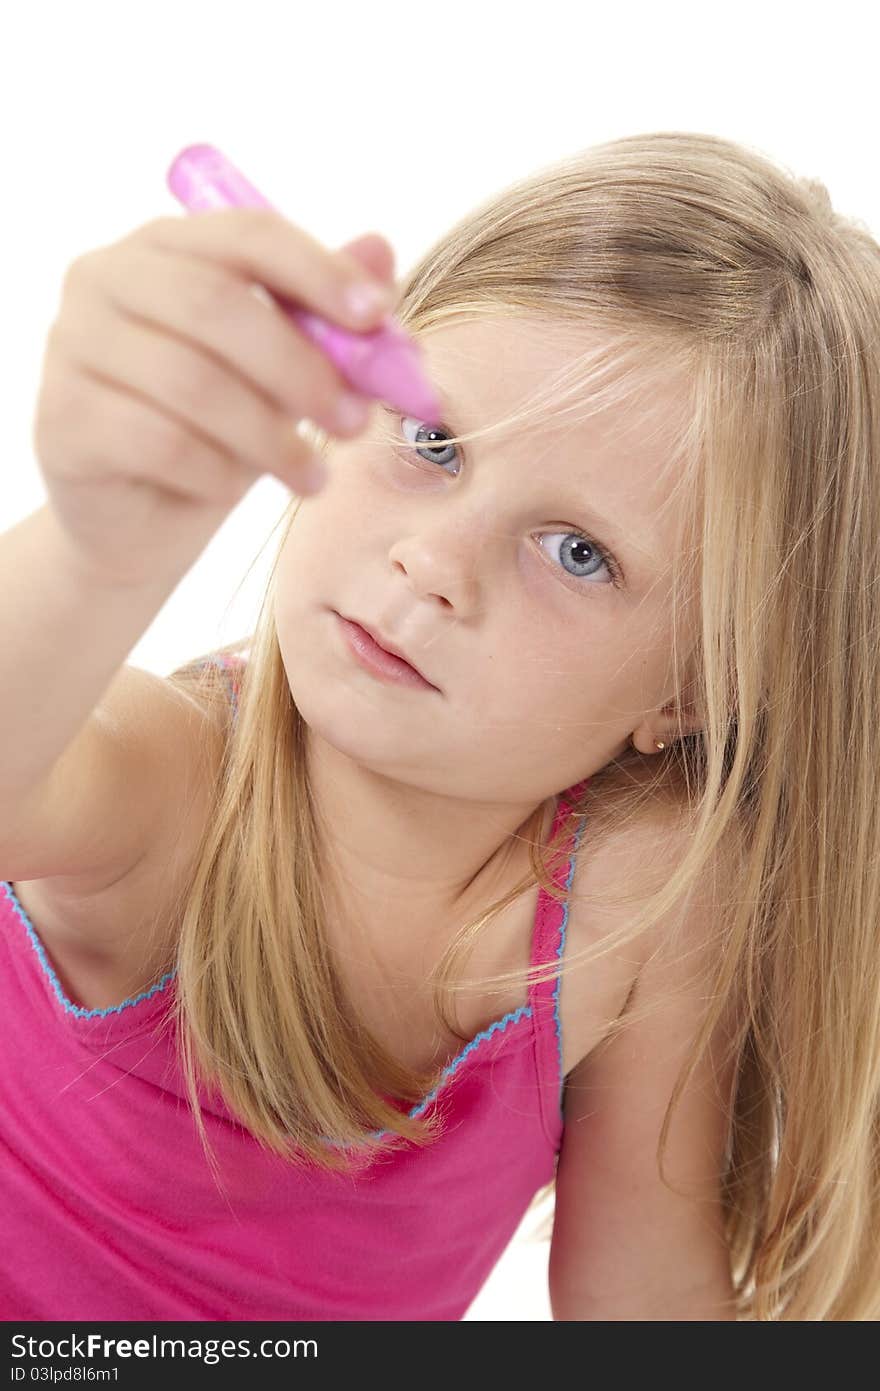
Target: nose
445	558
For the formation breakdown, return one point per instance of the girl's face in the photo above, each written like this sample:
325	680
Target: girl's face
527	576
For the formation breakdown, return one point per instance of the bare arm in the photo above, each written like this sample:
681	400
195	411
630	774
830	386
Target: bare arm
626	1246
64	636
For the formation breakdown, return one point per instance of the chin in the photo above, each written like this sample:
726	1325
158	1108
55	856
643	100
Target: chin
368	736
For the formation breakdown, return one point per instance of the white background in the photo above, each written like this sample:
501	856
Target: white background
395	118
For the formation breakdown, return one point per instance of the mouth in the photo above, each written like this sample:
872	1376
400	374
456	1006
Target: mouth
383	659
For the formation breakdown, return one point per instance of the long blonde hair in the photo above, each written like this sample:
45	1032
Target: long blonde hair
696	261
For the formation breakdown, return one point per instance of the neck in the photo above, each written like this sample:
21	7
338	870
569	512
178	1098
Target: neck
387	844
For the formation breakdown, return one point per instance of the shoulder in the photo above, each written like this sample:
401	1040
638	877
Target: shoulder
643	827
636	835
635	830
212	684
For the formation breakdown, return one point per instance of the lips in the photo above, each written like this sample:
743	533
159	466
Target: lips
389	647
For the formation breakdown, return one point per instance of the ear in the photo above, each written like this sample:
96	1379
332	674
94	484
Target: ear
374	253
691	715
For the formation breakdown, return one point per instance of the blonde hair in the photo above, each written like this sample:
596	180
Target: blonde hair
697	263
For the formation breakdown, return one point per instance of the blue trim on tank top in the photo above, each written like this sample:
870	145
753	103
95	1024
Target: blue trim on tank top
560	950
523	1012
228	665
69	1007
513	1017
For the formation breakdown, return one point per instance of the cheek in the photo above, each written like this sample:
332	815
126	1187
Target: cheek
356	494
305	568
544	594
287	586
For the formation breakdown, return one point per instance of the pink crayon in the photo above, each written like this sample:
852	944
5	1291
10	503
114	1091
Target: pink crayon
383	364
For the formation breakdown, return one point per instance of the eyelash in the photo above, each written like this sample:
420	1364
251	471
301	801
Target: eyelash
605	556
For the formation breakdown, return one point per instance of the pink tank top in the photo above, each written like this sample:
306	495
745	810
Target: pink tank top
110	1210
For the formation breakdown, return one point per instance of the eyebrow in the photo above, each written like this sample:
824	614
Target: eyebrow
607	531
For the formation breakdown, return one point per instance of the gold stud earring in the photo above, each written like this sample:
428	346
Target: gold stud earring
658	745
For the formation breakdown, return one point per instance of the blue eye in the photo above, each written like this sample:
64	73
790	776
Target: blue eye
429	442
571	546
426	437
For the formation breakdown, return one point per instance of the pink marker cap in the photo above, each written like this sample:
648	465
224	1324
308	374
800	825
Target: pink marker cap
384	364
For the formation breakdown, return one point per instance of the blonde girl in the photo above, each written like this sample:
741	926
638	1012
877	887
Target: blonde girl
328	970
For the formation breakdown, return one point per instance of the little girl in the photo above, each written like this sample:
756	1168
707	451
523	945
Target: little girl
576	687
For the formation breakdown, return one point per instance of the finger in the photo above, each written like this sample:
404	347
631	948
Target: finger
198	394
374	253
263	246
209	310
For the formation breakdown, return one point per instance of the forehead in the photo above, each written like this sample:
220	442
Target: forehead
621	457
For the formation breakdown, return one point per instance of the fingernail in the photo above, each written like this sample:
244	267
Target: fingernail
366	300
